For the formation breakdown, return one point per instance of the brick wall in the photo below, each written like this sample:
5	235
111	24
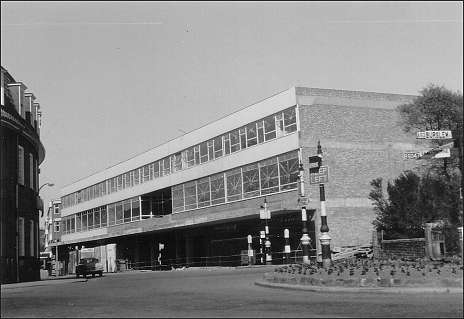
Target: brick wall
403	248
359	144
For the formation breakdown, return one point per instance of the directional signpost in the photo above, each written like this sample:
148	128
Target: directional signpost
434	135
442	151
319	176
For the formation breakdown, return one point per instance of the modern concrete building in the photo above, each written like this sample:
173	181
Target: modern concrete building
200	194
21	153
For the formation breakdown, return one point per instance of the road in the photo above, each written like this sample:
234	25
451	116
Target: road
226	292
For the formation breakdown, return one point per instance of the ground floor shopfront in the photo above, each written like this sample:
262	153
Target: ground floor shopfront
215	244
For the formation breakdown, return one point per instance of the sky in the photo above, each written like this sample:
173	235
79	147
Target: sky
115	79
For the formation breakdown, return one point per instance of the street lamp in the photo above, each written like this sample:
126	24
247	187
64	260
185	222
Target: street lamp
46	184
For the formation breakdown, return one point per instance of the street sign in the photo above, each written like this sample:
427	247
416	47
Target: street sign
320	177
434	135
443	154
412	155
303	201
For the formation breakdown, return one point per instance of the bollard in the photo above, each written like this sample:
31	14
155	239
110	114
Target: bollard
268	253
287	245
250	250
261	244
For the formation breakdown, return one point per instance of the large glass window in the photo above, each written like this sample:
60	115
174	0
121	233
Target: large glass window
269	173
166	165
203	152
226	144
90	220
111	214
127	210
84	221
196	151
119	213
217	189
218	147
119	182
234	141
128	180
78	222
136	176
234	184
242	134
288	170
190	157
177	162
269	128
156	169
211	150
290	120
250	180
146	173
190	190
135	208
279	125
251	134
203	191
260	129
103	216
178	198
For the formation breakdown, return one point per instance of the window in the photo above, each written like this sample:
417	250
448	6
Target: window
269	128
234	141
156	169
96	216
84	221
114	185
167	166
78	222
135	208
260	129
127	210
203	191
31	238
103	217
111	214
279	125
269	174
250	180
196	152
177	198
119	213
234	184
136	176
251	134
31	171
217	147
146	173
242	134
288	170
211	150
128	180
217	189
73	224
140	174
190	190
290	120
57	227
20	165
176	162
203	152
190	157
226	144
36	180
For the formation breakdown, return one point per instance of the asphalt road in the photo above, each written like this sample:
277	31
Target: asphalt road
209	293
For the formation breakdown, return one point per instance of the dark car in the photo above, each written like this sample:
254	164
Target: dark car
89	266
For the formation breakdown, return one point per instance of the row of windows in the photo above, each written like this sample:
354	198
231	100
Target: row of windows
269	176
31	163
266	129
117	213
272	175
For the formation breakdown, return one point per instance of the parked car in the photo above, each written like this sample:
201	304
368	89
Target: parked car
89	266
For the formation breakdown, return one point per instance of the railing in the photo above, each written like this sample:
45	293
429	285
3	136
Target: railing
278	258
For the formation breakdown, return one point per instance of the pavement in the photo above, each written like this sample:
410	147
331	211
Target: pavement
392	290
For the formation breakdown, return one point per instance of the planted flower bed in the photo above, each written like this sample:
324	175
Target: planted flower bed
373	273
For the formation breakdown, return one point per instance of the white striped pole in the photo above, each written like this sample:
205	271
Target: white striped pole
325	238
250	250
304	238
287	245
261	245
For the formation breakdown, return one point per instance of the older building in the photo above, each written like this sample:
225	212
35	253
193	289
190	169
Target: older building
21	154
200	195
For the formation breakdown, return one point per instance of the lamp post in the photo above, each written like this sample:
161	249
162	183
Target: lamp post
46	184
325	238
305	240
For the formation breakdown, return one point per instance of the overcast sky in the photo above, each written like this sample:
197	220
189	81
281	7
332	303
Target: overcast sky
115	79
